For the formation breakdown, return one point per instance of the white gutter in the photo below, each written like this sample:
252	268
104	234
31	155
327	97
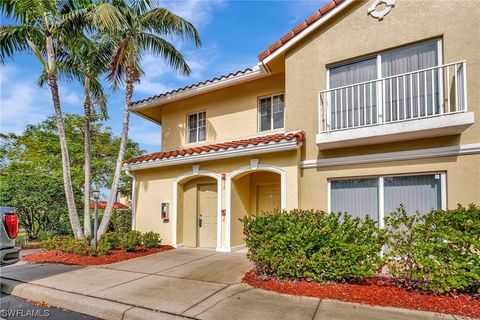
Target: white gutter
256	73
134	197
215	155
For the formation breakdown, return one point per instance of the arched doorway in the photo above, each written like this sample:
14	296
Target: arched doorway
251	190
197	210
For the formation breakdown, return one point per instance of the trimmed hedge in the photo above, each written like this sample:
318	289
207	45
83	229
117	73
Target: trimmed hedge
313	244
437	252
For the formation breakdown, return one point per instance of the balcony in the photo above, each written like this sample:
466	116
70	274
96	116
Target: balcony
420	104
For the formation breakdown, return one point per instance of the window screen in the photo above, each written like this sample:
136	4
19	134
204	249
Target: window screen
359	197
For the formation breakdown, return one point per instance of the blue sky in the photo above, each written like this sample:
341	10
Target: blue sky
233	34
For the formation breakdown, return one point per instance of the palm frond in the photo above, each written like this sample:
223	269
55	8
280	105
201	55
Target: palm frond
163	22
105	16
160	46
14	39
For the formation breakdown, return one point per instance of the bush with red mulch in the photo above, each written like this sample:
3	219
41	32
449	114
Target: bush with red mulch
116	255
375	291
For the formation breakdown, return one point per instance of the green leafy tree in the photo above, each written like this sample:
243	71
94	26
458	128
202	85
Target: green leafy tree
145	30
39	200
32	161
43	28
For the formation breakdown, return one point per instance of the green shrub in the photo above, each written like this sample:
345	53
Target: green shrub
151	240
314	245
131	240
121	221
72	245
112	239
103	248
51	243
438	251
47	234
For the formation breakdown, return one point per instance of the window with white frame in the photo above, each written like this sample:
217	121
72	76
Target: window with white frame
271	112
197	127
355	100
378	196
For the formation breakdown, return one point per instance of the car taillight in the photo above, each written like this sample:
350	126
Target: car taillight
11	225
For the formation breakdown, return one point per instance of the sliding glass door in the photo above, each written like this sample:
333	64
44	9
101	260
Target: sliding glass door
353	106
361	196
412	95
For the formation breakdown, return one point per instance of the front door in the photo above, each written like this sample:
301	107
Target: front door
207	216
268	198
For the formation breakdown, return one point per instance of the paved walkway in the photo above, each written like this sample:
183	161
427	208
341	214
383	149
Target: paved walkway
181	283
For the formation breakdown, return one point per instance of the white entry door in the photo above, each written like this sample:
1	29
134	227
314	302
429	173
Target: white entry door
207	216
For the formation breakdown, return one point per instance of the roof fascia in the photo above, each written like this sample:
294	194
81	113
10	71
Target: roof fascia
307	31
253	75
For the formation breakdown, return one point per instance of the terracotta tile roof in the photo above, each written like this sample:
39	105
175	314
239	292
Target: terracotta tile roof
298	29
103	205
298	136
195	85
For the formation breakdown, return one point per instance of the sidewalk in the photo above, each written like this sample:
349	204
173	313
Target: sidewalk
178	284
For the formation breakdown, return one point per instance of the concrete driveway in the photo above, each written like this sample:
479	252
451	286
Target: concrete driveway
181	283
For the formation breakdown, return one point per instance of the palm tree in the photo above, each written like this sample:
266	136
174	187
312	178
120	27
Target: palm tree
144	31
42	29
86	60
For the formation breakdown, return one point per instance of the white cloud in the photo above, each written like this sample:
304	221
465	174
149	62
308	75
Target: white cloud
22	102
147	133
71	98
198	12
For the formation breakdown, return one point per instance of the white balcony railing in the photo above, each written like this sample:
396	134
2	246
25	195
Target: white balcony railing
409	96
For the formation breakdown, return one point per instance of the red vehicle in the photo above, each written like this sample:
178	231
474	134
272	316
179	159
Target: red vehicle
9	254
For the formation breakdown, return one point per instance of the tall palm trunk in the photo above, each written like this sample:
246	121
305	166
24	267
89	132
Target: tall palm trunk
67	179
87	228
121	153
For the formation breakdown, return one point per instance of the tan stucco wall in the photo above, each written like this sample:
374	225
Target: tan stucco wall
463	178
353	34
155	186
240	207
231	112
257	179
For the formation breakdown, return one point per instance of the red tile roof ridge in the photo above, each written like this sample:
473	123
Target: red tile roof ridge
299	28
299	136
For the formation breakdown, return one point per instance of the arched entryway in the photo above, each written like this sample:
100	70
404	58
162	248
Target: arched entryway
250	191
197	210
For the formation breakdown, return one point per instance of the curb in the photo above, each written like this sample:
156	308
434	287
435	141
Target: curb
96	307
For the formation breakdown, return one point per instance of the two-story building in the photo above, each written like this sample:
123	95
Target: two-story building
362	107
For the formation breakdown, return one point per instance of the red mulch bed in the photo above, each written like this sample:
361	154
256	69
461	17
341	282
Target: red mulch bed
117	255
373	292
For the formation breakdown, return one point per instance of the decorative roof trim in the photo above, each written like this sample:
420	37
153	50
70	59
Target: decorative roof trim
289	141
202	87
303	29
462	149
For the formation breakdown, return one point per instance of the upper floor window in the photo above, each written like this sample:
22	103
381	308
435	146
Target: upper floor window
271	112
197	127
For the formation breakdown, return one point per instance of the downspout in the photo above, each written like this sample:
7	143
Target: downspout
134	196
